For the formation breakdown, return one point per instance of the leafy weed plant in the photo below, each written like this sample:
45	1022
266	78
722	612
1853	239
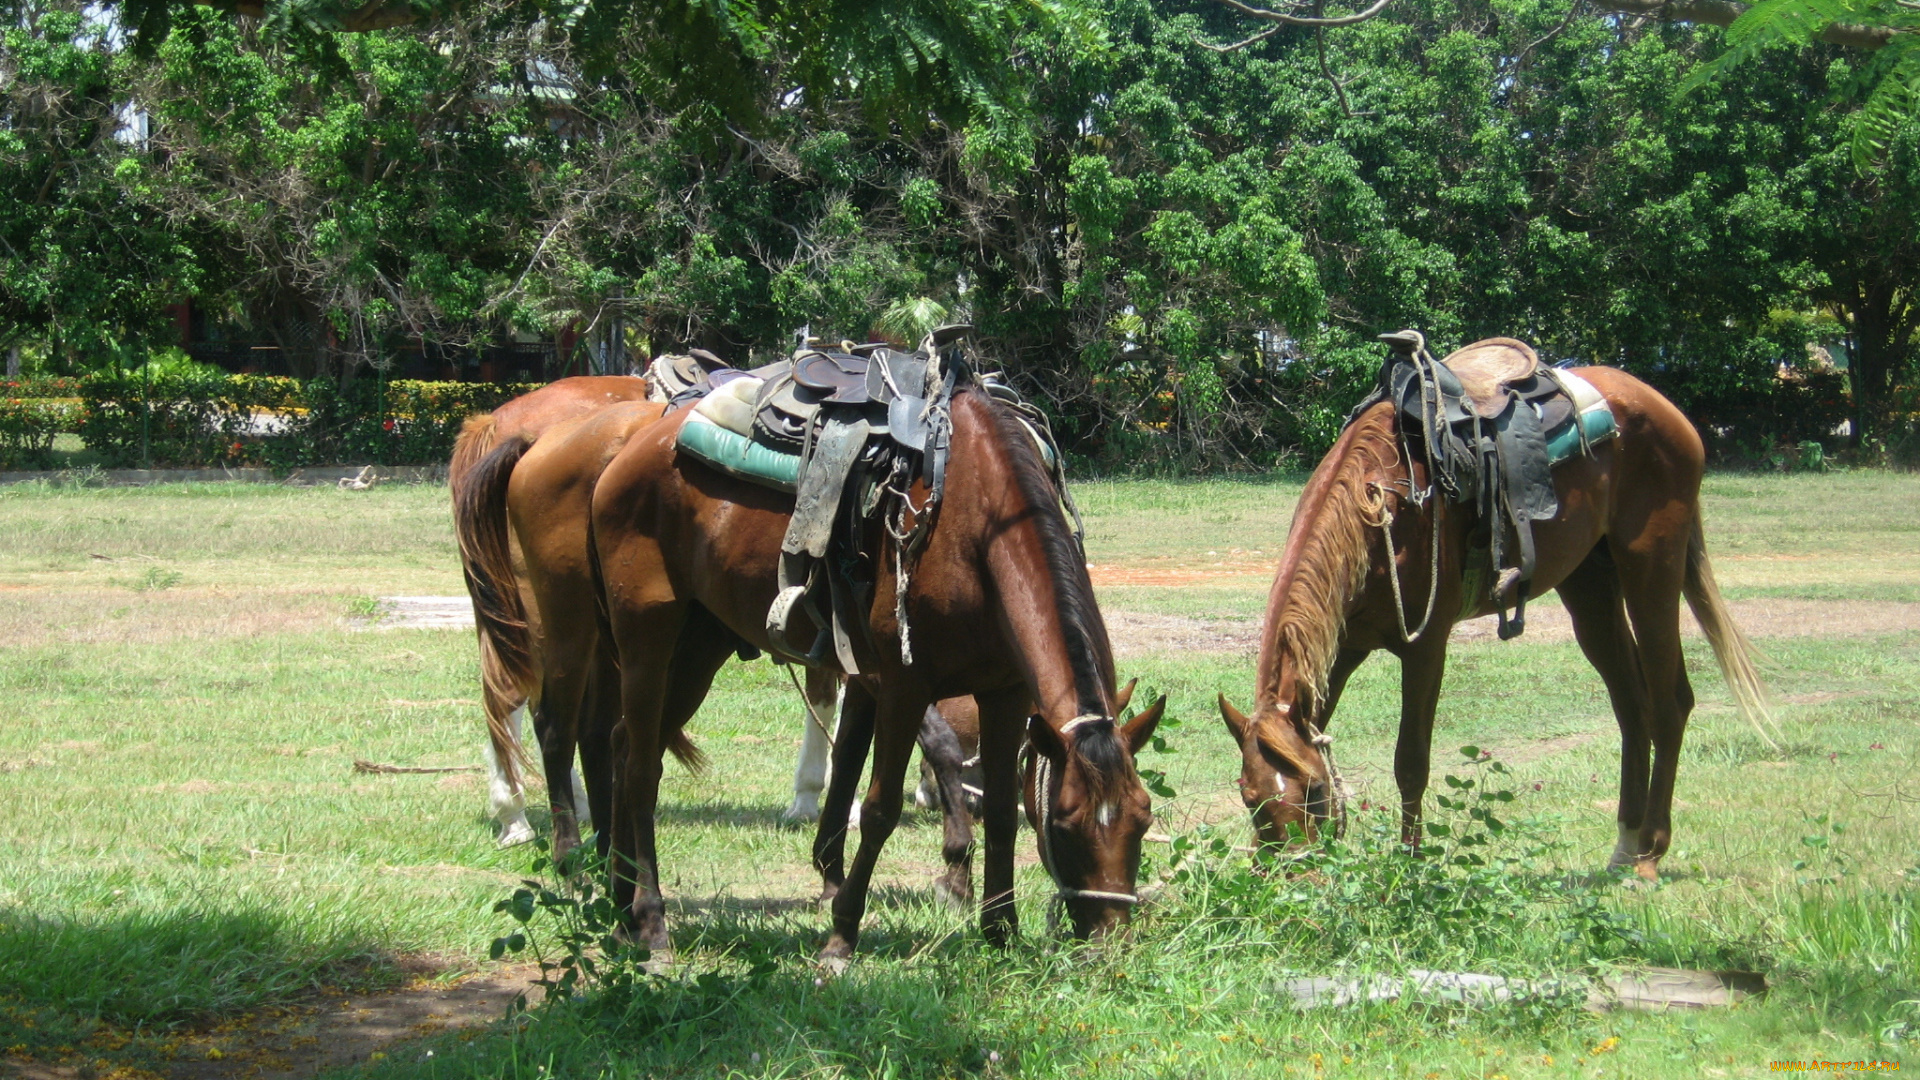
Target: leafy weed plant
1481	894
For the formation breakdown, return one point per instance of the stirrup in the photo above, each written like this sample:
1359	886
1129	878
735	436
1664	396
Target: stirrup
781	613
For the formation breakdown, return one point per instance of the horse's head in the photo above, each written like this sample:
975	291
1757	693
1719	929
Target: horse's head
1285	779
1090	812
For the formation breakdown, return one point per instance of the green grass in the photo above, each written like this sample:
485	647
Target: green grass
184	839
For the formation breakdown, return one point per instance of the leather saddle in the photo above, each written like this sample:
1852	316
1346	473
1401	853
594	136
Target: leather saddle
672	375
1492	421
847	430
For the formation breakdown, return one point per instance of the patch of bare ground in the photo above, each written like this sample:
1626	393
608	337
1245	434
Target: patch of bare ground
121	616
1763	618
1134	633
337	1031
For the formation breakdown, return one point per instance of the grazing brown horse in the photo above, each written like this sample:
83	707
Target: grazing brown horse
540	612
528	416
1000	608
1625	545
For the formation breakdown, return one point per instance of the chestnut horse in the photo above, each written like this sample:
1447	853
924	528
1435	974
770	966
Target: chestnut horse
528	416
540	611
1002	610
1626	544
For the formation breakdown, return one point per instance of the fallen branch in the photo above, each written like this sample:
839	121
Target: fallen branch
360	766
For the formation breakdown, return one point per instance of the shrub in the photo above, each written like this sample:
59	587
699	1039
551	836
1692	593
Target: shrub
194	419
40	386
27	428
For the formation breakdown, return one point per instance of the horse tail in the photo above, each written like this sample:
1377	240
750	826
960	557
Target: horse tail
1735	654
499	615
677	743
476	440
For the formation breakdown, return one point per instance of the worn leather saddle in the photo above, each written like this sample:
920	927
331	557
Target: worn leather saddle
848	431
1493	421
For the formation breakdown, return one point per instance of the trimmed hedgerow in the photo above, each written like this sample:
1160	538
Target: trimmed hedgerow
27	428
204	420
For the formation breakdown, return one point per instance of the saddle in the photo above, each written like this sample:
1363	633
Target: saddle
848	431
1491	421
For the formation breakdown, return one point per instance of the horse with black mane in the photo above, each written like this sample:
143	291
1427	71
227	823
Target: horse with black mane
1000	608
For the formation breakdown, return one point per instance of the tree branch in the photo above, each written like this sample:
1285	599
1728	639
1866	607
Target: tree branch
1238	45
1723	12
1301	20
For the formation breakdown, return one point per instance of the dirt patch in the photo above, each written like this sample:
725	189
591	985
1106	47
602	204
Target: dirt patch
1135	633
41	616
305	1040
1765	618
1172	577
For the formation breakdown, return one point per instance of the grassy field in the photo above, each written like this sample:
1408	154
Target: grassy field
185	847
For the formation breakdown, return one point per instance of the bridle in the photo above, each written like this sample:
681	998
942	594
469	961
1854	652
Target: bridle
1043	804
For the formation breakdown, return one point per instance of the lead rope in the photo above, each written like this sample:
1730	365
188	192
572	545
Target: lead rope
1376	504
1336	784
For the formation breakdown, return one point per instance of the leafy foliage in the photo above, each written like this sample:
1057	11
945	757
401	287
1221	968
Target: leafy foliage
1887	85
199	420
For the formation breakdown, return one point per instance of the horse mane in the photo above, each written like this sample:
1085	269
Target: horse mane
1328	555
1089	651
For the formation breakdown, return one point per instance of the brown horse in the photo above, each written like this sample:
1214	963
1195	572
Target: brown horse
949	755
1000	606
527	416
541	611
1626	543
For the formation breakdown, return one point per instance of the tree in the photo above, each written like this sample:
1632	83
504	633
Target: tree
87	262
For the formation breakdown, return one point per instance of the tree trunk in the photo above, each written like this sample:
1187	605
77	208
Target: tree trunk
13	361
1883	336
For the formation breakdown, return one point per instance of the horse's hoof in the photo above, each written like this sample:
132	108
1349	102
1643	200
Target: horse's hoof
801	812
516	833
955	897
835	957
1648	869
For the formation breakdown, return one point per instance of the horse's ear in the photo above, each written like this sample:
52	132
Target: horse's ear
1044	738
1140	728
1125	696
1237	723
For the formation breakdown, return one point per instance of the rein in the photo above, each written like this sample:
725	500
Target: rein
1374	497
1043	799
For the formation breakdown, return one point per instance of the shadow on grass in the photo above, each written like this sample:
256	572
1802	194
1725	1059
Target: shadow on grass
145	968
746	998
730	814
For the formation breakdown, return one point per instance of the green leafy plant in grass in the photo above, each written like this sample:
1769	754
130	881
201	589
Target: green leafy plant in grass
570	926
368	608
154	579
1479	895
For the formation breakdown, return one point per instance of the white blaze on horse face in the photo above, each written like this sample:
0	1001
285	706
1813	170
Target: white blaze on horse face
1280	787
1104	815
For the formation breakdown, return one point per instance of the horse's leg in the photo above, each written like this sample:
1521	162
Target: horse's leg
647	636
1422	666
506	803
554	726
1592	598
896	723
940	749
816	744
852	737
1003	722
1650	581
599	715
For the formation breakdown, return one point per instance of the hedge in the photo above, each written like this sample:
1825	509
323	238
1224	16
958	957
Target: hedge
206	420
27	428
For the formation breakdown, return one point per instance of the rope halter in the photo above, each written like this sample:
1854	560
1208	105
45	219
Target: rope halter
1043	804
